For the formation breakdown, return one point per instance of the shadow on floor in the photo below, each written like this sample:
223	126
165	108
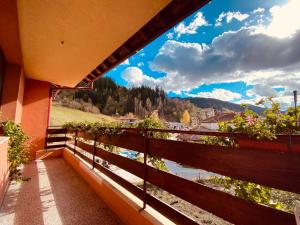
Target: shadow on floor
55	195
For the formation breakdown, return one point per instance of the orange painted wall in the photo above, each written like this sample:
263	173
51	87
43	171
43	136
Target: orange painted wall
35	113
4	167
12	97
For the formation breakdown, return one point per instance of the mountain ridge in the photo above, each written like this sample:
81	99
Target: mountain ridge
217	104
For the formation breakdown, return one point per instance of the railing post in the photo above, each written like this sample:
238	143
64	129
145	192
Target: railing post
146	150
75	142
94	152
66	138
46	143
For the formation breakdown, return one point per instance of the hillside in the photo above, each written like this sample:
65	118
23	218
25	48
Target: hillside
108	98
219	104
61	115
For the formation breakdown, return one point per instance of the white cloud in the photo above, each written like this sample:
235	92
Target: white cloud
229	16
198	21
140	64
285	20
218	93
249	54
258	10
135	77
170	35
245	54
125	63
283	98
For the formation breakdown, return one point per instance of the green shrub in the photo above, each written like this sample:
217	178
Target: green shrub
113	128
264	127
153	122
18	151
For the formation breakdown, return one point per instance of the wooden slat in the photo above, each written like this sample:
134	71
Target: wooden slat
85	135
172	214
127	164
56	139
129	141
228	207
163	208
273	169
55	146
121	181
85	146
85	158
56	131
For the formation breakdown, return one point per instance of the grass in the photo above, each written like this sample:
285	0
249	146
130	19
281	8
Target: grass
61	115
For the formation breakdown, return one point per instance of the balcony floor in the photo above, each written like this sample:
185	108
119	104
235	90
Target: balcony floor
55	195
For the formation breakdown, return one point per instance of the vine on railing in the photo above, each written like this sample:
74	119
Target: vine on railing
97	129
264	127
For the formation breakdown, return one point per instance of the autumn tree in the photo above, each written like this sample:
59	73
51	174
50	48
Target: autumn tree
185	119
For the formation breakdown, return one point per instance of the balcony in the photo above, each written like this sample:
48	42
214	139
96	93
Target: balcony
68	178
270	163
55	194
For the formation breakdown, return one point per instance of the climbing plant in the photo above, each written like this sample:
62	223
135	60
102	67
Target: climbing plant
18	151
272	122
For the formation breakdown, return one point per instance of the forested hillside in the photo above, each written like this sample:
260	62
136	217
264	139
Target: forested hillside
111	99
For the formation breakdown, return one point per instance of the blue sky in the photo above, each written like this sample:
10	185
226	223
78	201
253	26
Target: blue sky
240	51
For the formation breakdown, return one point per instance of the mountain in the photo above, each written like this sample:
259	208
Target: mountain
219	104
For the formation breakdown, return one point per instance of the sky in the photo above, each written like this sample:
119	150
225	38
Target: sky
240	52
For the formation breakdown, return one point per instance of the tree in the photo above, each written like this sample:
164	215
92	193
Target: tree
154	122
185	119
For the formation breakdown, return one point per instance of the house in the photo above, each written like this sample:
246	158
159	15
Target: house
211	123
128	119
176	126
202	114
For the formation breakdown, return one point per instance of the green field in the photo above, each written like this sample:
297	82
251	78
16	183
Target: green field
60	115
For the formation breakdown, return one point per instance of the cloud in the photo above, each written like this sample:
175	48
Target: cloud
125	63
140	64
135	77
218	93
258	10
230	56
262	90
233	56
285	20
229	16
283	98
170	35
198	21
249	54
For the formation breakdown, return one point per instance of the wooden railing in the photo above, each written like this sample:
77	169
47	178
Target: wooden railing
278	168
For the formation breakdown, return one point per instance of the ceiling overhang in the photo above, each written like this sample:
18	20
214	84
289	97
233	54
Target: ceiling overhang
71	42
172	14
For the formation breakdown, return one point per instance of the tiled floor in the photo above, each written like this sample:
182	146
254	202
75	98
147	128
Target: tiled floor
54	195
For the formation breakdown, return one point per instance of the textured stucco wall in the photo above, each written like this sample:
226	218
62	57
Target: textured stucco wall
12	95
35	113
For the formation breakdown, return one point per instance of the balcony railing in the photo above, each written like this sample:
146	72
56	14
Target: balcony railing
270	163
